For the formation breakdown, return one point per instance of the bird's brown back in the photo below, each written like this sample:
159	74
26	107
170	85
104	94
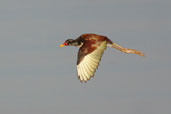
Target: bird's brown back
90	43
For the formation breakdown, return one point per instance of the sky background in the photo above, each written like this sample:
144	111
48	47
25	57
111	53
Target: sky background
37	77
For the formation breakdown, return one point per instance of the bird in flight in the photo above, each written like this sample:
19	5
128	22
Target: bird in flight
91	48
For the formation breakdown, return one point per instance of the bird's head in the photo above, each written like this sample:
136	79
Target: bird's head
70	42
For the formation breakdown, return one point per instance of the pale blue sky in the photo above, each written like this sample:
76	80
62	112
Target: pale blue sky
37	77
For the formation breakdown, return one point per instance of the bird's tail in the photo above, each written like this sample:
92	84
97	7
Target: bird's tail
126	50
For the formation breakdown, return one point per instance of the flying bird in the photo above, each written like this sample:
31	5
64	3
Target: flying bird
91	48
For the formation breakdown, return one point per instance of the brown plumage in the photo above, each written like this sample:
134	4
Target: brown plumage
92	47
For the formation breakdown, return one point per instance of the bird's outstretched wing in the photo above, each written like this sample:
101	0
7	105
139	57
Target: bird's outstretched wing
88	59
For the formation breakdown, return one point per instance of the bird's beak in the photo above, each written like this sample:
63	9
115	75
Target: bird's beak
62	45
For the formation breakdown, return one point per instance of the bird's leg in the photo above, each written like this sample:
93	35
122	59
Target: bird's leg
126	50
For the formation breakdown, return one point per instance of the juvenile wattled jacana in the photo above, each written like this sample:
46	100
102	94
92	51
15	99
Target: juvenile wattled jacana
91	48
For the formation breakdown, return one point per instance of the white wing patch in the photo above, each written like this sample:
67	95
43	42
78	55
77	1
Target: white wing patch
87	67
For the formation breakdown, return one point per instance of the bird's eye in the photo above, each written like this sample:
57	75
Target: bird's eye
65	43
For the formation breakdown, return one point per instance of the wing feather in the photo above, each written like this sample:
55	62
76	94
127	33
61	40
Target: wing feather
90	62
88	72
82	74
86	75
89	68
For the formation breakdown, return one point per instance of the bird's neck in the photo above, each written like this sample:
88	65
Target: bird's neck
77	43
80	45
